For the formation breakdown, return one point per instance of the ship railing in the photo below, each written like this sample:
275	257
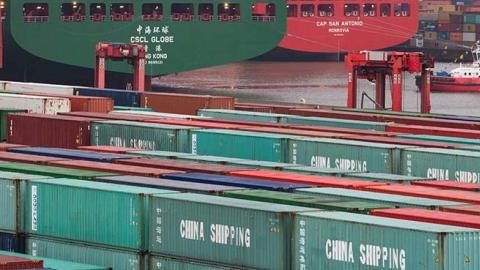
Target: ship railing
152	17
34	19
263	18
73	18
205	17
121	17
97	17
226	17
182	17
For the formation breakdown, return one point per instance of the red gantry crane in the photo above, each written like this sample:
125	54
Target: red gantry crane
133	53
375	66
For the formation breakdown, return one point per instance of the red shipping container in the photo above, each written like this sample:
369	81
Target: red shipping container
444	184
108	116
438	131
314	180
184	103
113	168
6	146
431	216
107	149
180	165
84	103
471	209
427	192
35	159
48	130
400	141
12	263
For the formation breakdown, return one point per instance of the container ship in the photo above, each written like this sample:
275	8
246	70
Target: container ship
112	180
54	41
324	29
447	30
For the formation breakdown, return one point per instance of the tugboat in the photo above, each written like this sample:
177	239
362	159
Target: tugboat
461	79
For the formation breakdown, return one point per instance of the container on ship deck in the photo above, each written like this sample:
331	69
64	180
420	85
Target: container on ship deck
50	131
312	180
51	171
159	154
12	188
243	116
113	168
259	233
340	123
317	171
120	97
346	241
106	149
456	36
253	108
194	123
184	103
12	242
431	216
345	154
40	88
444	184
161	183
3	121
108	116
62	249
388	178
5	146
180	165
240	144
427	192
307	201
430	35
84	103
441	164
470	209
11	262
145	136
35	104
438	131
88	206
397	200
243	182
70	154
169	263
470	27
26	158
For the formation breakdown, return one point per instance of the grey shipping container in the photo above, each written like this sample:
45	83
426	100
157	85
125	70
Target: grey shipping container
387	177
346	241
145	136
222	230
243	115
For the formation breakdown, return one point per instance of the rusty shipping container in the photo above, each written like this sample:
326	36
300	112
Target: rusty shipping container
184	103
35	104
84	103
48	130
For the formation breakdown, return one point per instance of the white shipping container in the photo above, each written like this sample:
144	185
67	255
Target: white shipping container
469	37
34	104
38	88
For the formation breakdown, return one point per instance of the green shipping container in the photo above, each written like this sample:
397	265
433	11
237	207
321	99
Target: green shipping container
367	196
445	139
387	178
345	155
253	235
144	136
166	263
90	212
3	121
306	200
240	144
469	18
88	254
56	264
12	187
346	241
318	171
442	164
243	115
51	171
332	122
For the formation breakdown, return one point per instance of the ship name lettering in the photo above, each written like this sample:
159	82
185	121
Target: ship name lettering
138	39
230	235
162	39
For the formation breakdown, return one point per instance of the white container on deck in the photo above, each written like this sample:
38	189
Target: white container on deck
38	88
35	104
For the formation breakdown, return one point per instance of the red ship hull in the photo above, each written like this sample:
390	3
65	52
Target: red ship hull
449	84
311	29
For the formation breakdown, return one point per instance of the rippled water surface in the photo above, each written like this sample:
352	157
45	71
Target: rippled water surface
321	83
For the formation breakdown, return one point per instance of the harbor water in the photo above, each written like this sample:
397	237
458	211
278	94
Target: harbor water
322	83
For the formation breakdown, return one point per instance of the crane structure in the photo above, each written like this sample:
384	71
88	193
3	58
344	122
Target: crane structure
376	65
133	53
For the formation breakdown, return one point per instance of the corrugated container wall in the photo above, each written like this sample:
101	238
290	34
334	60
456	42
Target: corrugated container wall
35	104
243	115
120	97
50	131
166	263
144	136
441	164
3	121
240	144
82	253
38	88
12	242
195	226
184	103
345	155
346	241
87	208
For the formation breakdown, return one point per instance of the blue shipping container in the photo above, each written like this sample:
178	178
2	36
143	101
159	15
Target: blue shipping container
68	153
12	242
120	97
